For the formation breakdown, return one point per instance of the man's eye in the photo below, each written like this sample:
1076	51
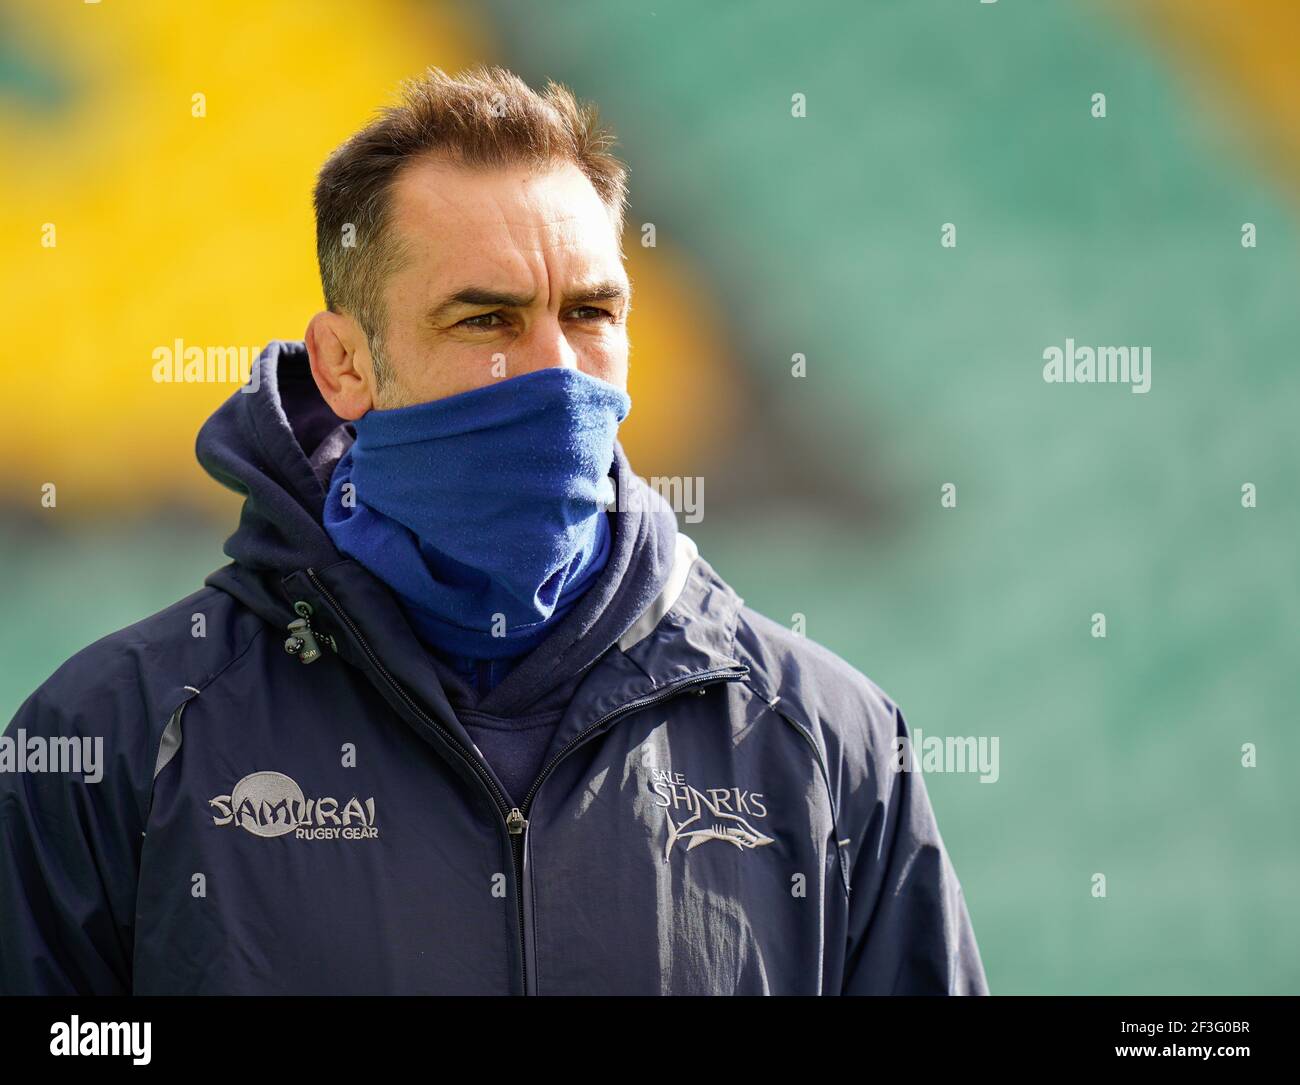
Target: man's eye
593	312
469	322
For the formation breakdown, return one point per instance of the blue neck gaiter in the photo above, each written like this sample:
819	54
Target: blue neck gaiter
485	512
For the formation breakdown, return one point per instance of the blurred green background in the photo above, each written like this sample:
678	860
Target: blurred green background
778	235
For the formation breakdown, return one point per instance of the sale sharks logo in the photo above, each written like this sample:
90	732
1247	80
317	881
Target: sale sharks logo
696	816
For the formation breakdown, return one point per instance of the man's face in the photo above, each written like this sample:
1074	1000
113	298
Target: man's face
505	272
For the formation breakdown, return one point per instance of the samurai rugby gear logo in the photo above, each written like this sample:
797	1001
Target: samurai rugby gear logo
272	804
717	813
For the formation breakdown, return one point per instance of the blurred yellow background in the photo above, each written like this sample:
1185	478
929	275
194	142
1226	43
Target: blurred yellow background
175	217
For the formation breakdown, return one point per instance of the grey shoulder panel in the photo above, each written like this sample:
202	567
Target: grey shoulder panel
171	740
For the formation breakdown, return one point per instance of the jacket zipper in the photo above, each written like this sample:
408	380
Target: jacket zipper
515	820
705	678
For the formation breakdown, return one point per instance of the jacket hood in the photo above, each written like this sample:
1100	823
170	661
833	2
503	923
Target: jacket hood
260	443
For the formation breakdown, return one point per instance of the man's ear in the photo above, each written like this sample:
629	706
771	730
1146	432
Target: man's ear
341	364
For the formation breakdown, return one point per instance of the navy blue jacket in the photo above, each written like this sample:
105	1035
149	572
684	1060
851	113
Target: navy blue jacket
291	804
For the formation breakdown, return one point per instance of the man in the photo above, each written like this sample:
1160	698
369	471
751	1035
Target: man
465	713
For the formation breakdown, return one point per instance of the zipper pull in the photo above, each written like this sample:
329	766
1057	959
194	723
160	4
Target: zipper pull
516	823
302	640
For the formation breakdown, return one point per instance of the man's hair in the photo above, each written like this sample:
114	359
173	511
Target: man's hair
484	117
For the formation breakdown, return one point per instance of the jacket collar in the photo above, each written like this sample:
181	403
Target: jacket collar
687	630
356	619
692	623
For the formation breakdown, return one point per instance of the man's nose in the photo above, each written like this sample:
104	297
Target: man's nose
545	346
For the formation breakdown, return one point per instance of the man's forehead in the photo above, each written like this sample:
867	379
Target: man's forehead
556	204
498	230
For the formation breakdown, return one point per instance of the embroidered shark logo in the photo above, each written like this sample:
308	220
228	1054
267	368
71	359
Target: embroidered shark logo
720	824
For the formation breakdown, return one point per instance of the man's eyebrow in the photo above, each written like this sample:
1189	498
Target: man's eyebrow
609	290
